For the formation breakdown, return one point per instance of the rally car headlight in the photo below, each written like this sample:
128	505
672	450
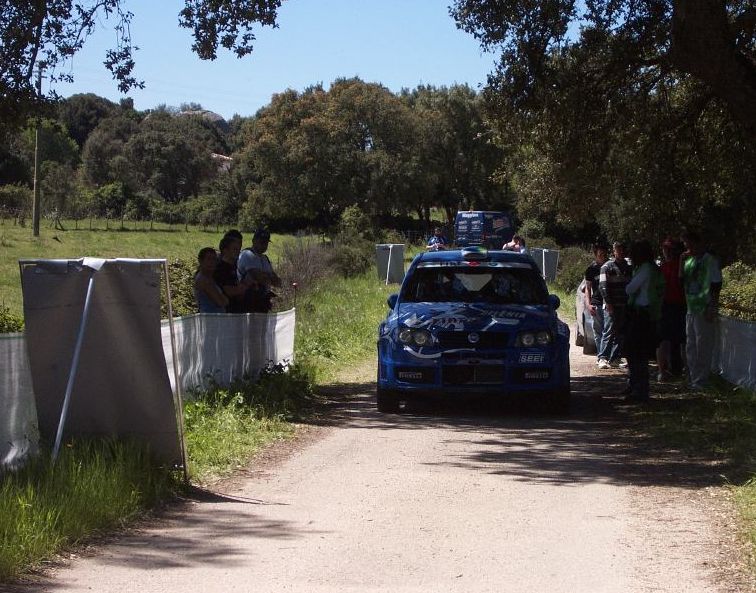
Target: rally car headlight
527	339
420	337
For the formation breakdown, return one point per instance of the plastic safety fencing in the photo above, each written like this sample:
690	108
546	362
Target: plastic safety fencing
221	347
207	345
735	352
19	436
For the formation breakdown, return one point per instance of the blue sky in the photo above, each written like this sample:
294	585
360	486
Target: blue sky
399	43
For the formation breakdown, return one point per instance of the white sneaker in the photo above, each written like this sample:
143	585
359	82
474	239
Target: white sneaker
603	364
623	364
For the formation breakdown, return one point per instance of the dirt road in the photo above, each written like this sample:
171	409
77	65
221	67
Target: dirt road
440	500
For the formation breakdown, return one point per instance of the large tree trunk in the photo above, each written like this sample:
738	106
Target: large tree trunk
703	45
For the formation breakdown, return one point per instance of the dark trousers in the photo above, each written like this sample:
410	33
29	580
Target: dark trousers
639	345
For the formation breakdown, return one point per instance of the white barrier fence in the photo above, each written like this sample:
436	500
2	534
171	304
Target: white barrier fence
222	346
735	352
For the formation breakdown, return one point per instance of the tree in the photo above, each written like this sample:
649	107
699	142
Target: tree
171	155
103	155
82	113
456	150
49	33
601	126
712	41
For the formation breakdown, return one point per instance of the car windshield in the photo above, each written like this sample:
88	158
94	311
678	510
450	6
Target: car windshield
501	286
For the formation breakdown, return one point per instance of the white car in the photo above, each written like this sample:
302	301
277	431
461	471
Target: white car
583	326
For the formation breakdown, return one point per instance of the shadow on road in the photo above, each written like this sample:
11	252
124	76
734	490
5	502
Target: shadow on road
599	441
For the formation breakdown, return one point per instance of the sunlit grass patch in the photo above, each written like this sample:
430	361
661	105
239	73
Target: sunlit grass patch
94	485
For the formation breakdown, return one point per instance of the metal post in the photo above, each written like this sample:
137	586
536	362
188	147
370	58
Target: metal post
36	203
543	262
177	398
388	264
74	366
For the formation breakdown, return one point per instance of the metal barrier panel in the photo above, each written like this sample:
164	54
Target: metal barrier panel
389	260
547	261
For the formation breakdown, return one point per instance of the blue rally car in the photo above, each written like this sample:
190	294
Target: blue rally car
473	321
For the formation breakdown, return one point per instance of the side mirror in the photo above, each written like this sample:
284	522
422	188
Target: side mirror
391	301
554	301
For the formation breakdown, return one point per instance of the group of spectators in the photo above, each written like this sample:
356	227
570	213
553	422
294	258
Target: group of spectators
439	242
236	280
648	310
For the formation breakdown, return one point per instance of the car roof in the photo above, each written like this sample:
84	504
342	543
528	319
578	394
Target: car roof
452	255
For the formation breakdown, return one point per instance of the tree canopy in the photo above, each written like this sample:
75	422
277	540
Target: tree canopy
604	118
49	33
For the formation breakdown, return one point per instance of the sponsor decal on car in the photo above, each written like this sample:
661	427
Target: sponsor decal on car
532	357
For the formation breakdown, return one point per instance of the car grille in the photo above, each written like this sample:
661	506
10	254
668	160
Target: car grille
461	339
473	374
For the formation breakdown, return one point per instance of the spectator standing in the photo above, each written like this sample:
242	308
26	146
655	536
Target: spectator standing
225	272
613	278
672	324
702	282
209	296
437	242
645	293
594	302
254	268
516	244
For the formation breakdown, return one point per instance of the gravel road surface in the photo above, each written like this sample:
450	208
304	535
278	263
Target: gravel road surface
448	498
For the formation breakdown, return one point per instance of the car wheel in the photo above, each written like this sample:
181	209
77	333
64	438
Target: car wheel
579	336
388	402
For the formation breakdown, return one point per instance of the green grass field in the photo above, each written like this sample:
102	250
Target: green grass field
18	243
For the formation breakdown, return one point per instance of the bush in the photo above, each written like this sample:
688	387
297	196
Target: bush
304	261
181	273
354	243
739	291
572	264
9	322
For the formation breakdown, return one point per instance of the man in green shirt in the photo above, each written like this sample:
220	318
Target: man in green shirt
702	282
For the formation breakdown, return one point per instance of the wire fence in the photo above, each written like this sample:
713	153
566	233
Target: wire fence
93	221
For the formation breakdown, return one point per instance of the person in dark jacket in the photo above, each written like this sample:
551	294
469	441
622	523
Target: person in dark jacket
613	278
645	293
594	302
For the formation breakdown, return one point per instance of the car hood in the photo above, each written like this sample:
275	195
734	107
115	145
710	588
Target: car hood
470	316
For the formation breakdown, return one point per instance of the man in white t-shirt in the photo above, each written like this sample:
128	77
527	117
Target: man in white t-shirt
255	267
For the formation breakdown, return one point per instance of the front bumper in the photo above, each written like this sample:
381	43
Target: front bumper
509	371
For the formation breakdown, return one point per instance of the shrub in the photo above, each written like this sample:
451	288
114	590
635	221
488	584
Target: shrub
572	264
10	322
739	291
304	261
181	273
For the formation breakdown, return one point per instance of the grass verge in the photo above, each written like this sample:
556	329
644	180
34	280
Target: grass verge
718	423
337	323
98	486
94	485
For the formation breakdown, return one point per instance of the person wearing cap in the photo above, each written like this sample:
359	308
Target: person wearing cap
672	324
254	267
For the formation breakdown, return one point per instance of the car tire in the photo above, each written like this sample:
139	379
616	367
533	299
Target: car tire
387	401
579	336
